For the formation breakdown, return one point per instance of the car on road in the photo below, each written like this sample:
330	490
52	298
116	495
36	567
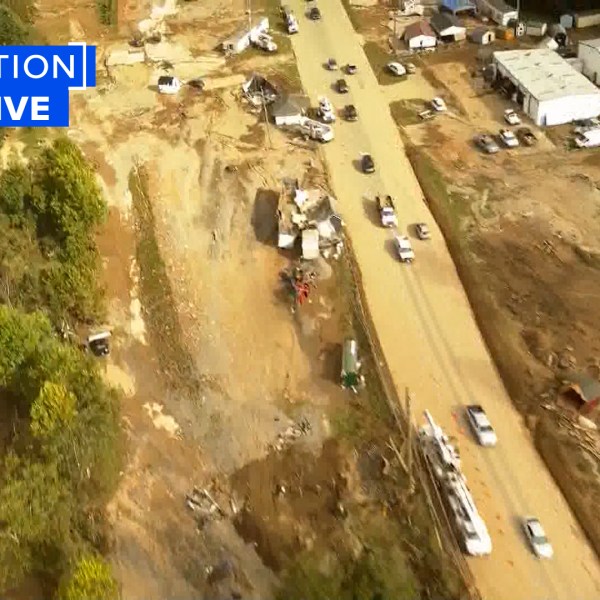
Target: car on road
351	69
367	164
486	142
511	117
422	230
526	136
314	14
481	426
350	112
536	537
341	86
404	248
325	110
509	139
395	68
439	105
332	64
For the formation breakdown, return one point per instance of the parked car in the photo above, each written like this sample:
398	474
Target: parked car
341	86
395	68
404	248
439	105
314	14
350	113
486	142
511	117
526	136
367	164
484	432
410	68
537	538
332	64
351	69
422	230
509	139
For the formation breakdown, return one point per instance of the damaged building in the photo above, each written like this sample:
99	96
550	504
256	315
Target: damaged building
259	90
309	214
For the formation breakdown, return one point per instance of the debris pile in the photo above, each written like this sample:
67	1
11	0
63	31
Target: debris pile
203	504
257	90
311	214
299	283
291	434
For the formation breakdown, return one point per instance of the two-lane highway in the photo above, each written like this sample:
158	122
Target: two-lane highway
428	333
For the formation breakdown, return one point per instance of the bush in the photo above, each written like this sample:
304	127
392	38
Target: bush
13	32
90	579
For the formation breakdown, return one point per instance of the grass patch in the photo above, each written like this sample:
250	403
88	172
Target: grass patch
406	112
379	57
156	293
107	11
286	76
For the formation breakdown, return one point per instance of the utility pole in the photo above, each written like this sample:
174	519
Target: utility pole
249	13
262	95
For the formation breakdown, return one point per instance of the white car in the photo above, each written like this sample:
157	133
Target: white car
439	105
404	248
422	231
509	139
396	69
537	538
481	425
325	110
511	117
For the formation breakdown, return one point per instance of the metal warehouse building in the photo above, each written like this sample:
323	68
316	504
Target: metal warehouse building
546	86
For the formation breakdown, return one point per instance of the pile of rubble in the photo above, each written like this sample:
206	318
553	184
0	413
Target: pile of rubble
311	215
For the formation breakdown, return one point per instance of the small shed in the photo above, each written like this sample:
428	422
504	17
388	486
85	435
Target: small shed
536	28
419	36
168	84
580	393
243	38
288	109
448	27
482	35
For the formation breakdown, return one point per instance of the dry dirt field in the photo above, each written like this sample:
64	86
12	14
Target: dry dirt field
212	363
523	227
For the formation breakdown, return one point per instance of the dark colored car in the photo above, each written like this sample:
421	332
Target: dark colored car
351	69
314	14
341	86
350	113
367	164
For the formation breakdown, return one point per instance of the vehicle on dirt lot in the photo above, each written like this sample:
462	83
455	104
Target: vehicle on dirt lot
439	105
325	110
350	113
341	86
395	68
588	139
526	136
314	14
537	538
387	211
425	115
332	64
367	164
351	69
404	248
410	68
486	142
511	117
481	426
509	139
422	230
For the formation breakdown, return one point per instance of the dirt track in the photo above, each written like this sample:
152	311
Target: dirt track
430	338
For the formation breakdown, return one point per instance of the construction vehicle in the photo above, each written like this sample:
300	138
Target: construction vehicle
387	211
444	461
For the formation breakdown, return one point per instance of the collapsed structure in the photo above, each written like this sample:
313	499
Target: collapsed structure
311	215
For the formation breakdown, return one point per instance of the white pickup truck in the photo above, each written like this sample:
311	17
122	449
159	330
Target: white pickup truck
315	130
404	248
265	41
387	211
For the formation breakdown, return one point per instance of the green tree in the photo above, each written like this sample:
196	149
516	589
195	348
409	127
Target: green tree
15	189
13	32
24	9
70	203
90	579
53	410
34	516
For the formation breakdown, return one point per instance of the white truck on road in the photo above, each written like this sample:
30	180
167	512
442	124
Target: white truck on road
315	130
387	211
291	23
404	248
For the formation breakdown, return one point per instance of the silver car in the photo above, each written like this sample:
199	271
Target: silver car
482	428
486	143
537	538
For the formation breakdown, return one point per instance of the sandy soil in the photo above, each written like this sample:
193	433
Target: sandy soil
431	341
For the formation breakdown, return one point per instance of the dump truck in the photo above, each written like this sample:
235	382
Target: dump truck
387	211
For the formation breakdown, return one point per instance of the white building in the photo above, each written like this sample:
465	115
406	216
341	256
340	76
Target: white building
589	53
497	10
547	87
242	40
448	27
419	35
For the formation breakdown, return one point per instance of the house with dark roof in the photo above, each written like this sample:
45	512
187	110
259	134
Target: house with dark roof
419	35
482	35
448	27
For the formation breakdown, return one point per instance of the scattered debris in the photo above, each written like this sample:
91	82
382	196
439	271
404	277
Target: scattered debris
202	503
291	434
258	91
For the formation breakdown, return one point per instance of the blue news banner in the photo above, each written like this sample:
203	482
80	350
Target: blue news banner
35	82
